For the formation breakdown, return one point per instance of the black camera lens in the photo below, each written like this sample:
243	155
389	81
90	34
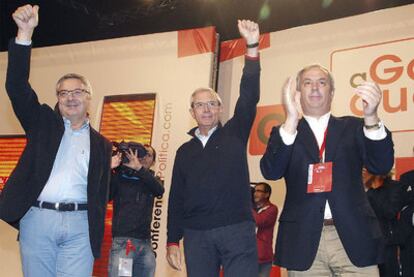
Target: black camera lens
123	148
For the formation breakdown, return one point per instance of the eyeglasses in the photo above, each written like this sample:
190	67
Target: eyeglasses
259	190
76	93
209	104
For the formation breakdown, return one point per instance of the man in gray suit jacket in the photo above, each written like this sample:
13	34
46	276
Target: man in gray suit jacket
58	191
327	226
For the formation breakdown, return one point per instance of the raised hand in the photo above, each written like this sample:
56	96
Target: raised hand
134	162
27	19
249	30
291	103
371	95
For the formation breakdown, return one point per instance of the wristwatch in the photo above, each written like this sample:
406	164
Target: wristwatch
252	45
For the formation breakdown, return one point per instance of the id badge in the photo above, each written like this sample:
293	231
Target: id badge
125	267
320	177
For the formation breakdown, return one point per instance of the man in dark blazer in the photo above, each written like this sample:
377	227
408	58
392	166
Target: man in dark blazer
327	226
58	191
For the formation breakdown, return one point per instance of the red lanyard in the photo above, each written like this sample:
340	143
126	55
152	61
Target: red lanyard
323	146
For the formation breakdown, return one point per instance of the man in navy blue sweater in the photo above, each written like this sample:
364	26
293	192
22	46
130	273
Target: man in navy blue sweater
209	202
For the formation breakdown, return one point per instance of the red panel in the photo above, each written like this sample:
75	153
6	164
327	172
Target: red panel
196	41
234	48
100	268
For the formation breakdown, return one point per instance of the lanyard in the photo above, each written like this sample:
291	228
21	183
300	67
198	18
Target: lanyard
323	146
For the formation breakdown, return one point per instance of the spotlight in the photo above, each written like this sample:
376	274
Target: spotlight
326	3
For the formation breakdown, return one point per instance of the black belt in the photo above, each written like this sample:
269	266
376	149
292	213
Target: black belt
64	207
328	222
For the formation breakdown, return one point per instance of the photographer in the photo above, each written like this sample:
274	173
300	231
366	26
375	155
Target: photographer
133	188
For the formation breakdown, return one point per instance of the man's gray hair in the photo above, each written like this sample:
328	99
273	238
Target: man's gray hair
210	90
79	77
306	68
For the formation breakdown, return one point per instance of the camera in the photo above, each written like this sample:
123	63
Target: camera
123	147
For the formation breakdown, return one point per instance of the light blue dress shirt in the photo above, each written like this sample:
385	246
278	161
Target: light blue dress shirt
69	177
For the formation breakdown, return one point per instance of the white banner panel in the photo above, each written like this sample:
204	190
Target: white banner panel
391	65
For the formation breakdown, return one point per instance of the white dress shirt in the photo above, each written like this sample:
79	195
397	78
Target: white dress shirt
318	127
203	138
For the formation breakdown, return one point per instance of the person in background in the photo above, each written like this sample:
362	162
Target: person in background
58	192
133	189
265	215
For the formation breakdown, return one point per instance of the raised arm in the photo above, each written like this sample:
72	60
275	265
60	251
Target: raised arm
371	95
27	19
291	104
23	98
378	142
245	110
277	156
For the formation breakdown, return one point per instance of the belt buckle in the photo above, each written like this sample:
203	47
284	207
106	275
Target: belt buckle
57	204
76	206
328	222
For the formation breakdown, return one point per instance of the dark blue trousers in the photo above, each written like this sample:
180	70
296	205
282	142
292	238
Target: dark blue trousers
232	246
